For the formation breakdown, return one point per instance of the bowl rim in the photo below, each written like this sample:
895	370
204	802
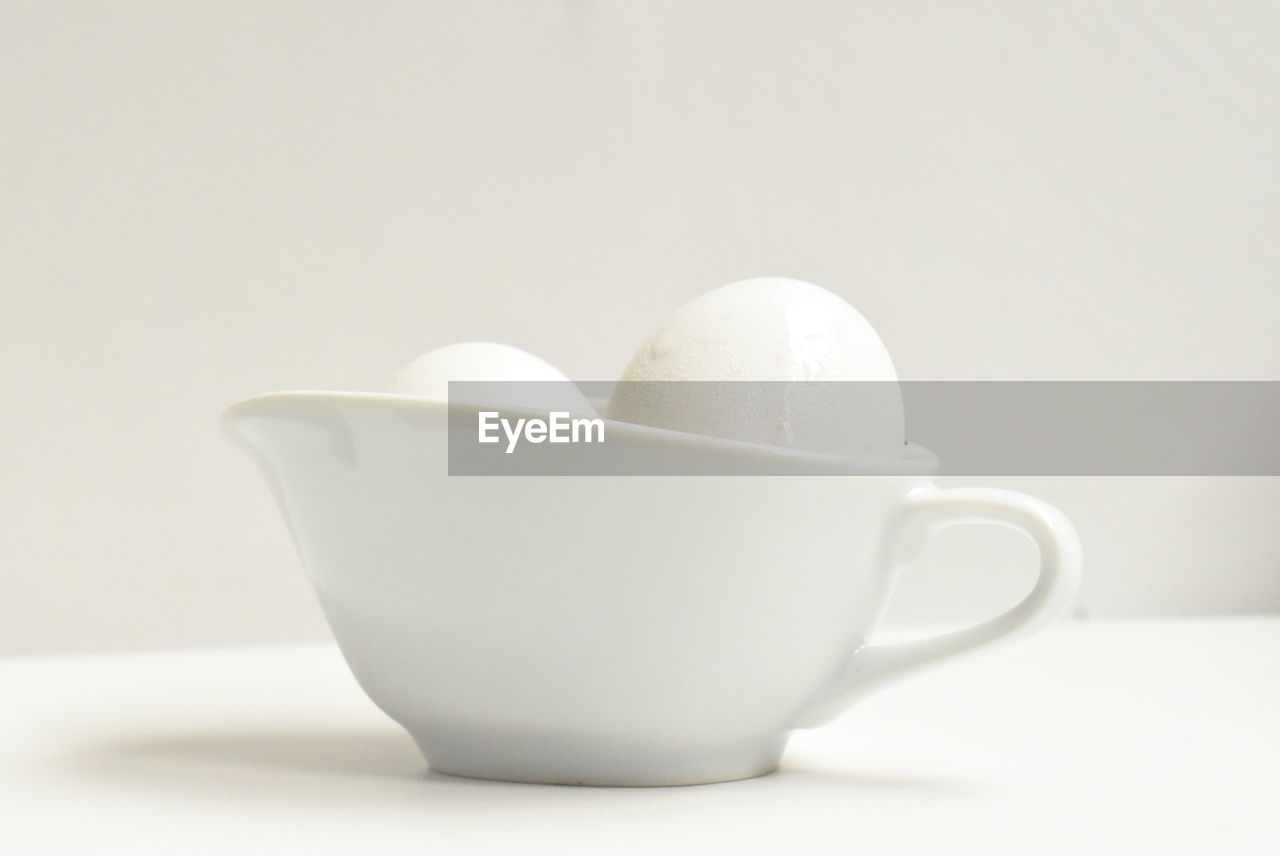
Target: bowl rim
914	460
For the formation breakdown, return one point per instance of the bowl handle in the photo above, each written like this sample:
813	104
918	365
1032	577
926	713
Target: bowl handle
924	512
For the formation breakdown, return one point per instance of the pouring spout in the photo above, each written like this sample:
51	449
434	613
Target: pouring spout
298	434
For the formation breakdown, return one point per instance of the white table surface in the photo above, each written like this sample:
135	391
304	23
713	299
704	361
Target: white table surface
1142	737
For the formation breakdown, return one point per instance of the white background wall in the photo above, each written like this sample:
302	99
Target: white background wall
200	201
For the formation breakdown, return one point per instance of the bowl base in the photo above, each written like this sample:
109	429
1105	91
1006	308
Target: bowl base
560	759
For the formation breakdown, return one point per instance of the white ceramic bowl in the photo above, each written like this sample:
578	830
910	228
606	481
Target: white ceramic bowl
610	630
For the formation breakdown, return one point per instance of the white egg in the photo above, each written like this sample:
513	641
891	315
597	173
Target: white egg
519	379
776	330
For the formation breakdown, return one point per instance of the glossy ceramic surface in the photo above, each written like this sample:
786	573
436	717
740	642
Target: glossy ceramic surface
610	631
